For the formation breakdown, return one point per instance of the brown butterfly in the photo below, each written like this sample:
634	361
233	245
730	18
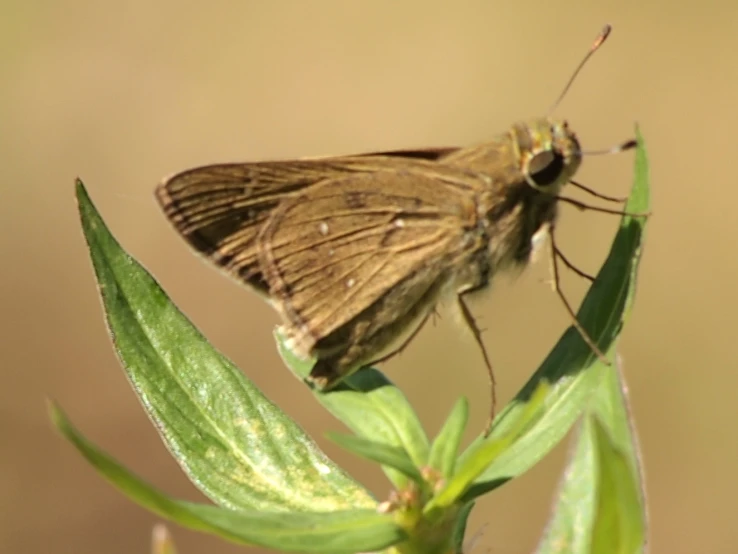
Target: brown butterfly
355	252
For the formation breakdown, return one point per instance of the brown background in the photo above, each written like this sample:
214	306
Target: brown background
123	93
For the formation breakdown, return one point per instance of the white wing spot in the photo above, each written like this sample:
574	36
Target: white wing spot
350	283
323	228
331	252
399	223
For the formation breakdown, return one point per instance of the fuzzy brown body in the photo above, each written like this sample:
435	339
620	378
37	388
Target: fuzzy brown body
355	251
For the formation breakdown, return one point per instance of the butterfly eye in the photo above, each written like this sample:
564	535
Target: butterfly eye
545	167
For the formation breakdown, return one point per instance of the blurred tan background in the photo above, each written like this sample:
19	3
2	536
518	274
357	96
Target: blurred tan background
122	94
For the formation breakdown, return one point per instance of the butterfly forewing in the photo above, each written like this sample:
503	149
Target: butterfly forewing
350	250
333	252
220	209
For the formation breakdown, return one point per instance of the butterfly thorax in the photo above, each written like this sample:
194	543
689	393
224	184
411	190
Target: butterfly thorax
525	168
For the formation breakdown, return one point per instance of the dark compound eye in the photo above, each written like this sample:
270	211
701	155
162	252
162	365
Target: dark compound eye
546	167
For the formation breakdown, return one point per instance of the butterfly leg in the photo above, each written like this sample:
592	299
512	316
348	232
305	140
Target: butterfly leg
570	265
477	333
407	341
555	254
584	206
616	199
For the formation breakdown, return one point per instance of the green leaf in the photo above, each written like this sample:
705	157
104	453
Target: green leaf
599	504
482	455
619	527
620	524
372	407
571	367
610	405
339	532
390	456
612	410
445	447
460	530
574	502
234	444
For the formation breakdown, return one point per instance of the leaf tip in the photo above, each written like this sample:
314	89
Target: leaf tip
80	191
57	416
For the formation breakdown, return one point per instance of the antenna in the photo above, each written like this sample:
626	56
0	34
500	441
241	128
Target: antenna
599	41
627	145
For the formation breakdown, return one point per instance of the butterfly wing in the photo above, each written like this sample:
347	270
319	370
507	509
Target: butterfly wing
357	253
350	250
220	209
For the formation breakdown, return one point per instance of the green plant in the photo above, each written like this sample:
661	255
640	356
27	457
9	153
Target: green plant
272	486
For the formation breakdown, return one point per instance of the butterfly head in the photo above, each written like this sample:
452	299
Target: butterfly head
549	154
